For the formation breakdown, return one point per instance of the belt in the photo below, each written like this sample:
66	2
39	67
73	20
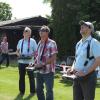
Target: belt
87	76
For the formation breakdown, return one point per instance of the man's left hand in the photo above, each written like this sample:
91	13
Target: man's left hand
80	73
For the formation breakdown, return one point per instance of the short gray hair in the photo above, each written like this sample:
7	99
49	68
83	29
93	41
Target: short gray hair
27	29
44	28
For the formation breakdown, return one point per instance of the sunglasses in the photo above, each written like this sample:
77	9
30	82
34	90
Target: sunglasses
26	31
43	30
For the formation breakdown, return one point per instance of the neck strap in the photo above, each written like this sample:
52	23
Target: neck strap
28	46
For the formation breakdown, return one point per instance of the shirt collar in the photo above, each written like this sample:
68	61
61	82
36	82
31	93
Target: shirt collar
87	39
46	41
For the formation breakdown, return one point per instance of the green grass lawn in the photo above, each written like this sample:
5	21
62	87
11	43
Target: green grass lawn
9	87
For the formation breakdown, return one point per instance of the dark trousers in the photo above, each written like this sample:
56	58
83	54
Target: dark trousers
4	56
84	89
48	79
22	72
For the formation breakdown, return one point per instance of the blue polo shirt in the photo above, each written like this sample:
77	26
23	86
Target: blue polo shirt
32	49
81	53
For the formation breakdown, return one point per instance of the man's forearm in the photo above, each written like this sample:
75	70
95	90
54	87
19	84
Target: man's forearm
51	59
17	52
95	65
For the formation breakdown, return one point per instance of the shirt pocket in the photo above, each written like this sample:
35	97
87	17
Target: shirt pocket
46	52
83	52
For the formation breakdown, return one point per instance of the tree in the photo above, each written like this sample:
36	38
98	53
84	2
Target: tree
5	11
66	15
47	1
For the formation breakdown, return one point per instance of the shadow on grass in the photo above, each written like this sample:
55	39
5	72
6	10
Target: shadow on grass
3	67
28	97
57	74
19	97
98	85
66	82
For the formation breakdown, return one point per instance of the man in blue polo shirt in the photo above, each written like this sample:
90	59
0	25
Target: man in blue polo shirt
87	59
25	51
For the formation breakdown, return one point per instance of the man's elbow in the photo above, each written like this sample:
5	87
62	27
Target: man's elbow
98	61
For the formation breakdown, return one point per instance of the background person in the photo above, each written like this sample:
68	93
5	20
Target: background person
4	51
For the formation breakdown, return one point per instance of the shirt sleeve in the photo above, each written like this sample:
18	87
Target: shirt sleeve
18	45
34	46
1	45
53	48
96	48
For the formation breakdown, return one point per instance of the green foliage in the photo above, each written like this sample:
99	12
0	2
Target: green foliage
5	11
47	1
97	35
66	15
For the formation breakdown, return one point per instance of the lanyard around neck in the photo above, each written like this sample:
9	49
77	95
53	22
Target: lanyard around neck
28	46
43	51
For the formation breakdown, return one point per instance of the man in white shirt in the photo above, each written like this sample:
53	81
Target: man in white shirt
25	50
87	59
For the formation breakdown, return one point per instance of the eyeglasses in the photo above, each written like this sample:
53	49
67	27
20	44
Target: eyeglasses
43	30
25	31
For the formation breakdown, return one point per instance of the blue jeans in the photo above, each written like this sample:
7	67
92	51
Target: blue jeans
48	79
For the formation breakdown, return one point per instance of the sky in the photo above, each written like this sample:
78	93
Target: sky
28	8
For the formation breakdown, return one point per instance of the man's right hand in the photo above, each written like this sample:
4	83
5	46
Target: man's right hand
40	66
70	71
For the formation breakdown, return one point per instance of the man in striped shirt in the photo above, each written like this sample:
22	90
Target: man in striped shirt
46	57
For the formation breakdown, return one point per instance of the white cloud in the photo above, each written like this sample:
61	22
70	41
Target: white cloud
28	8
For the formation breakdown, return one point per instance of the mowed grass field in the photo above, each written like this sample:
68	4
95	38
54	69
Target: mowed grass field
9	86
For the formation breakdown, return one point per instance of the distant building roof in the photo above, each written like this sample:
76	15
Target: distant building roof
21	23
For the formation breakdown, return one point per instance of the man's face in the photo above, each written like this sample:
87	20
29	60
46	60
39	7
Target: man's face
4	39
43	36
84	29
26	34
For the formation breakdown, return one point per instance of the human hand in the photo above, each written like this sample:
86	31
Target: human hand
39	66
18	54
80	73
31	64
69	71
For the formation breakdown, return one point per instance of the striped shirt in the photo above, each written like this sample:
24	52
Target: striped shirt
49	50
